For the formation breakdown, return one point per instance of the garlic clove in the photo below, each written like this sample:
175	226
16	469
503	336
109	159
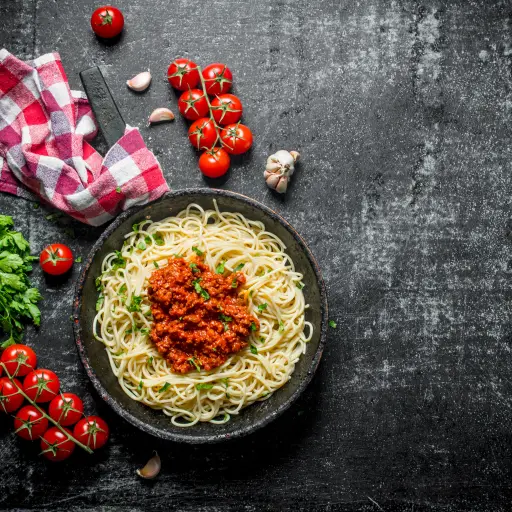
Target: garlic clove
152	467
282	185
160	115
140	82
273	180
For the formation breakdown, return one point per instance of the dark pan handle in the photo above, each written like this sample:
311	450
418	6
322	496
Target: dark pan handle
109	119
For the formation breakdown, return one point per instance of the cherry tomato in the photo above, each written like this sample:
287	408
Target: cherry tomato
92	431
214	162
41	385
10	397
236	138
29	423
107	22
218	78
55	445
193	105
202	133
227	109
56	259
66	409
183	74
18	360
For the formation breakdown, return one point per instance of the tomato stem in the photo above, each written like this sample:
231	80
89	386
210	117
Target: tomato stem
42	411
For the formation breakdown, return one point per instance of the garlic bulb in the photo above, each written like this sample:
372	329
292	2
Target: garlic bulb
280	167
159	115
140	82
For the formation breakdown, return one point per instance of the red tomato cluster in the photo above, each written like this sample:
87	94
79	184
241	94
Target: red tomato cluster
216	126
43	386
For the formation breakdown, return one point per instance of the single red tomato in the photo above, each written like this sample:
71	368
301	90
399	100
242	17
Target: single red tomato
183	74
202	133
41	385
10	397
218	78
56	445
56	259
107	21
214	163
18	360
193	105
66	409
227	109
92	431
236	138
29	423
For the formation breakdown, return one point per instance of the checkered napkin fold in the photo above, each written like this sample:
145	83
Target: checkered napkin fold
44	153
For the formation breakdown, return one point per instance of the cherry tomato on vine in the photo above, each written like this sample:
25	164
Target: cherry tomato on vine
214	163
193	105
107	22
218	78
227	109
18	360
236	138
41	385
55	445
29	423
10	397
56	259
183	74
66	409
202	133
92	431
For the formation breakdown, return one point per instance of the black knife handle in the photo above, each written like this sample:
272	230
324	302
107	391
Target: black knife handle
108	117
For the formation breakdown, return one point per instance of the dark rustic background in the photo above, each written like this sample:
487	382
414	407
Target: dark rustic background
401	112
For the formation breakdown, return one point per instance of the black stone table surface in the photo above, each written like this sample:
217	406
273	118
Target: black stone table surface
401	111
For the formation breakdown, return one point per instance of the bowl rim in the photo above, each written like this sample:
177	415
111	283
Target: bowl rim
177	436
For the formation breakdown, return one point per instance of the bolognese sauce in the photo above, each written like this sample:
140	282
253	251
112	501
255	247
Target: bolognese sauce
199	318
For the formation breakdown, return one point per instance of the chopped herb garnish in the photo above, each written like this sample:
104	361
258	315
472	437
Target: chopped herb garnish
239	267
78	259
118	190
254	350
155	264
281	327
135	303
98	284
165	387
194	268
177	255
220	268
204	385
197	251
251	293
122	289
253	327
299	285
180	318
234	283
225	381
118	261
158	239
139	387
99	302
332	324
225	318
262	339
135	227
150	360
193	362
147	239
199	289
145	330
141	246
262	307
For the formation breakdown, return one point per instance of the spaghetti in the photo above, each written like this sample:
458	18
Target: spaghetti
229	243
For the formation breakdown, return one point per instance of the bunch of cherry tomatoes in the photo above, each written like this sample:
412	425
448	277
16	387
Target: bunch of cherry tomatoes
216	126
32	422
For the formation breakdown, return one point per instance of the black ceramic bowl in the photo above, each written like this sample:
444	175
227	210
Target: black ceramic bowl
94	356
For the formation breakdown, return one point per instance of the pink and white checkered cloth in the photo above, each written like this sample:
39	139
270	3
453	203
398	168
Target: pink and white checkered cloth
44	153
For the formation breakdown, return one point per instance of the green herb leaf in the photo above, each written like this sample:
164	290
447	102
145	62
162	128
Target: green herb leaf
165	387
253	327
144	330
220	268
225	318
332	324
118	190
234	283
141	246
194	268
78	259
158	239
299	285
122	289
239	267
199	289
118	261
254	350
135	303
135	227
203	385
193	362
150	360
281	327
251	293
262	339
262	307
225	381
139	387
197	251
98	284
99	302
156	264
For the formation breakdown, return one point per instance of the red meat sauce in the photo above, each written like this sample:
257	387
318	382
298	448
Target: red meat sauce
199	317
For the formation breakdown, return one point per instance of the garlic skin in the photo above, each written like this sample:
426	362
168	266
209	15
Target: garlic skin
152	468
160	115
280	167
140	82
